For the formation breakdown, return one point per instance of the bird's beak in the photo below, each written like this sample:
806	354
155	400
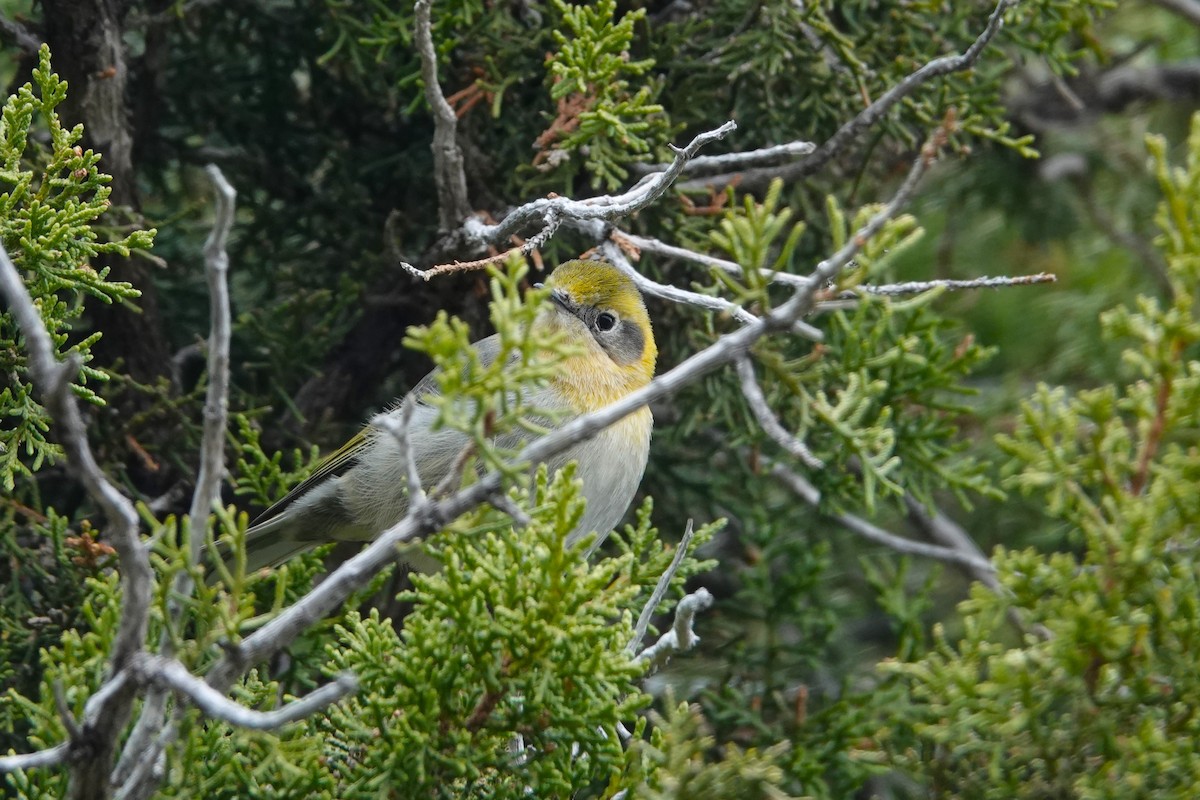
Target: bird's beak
563	301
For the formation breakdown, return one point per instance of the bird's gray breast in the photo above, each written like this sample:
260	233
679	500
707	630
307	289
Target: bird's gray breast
610	467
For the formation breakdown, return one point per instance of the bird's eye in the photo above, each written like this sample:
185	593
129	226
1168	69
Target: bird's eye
606	321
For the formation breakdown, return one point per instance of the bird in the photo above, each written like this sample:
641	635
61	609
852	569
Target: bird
359	491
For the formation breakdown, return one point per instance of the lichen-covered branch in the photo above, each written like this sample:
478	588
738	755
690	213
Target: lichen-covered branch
681	637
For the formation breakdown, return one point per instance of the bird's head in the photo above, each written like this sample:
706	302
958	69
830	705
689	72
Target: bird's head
600	310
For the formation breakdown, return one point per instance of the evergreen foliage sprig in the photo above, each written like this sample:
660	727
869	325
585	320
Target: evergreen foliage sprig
1099	695
512	672
54	194
601	118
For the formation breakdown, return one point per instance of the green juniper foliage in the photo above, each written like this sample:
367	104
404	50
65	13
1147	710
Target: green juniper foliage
1099	697
517	637
599	118
54	193
511	675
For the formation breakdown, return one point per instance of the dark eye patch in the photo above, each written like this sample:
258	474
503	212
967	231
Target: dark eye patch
624	344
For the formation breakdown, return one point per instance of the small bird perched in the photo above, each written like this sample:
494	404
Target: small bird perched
358	492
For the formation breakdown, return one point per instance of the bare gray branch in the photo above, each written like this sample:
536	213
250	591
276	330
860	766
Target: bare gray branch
606	207
141	743
216	400
740	160
948	533
50	757
451	180
973	561
173	675
18	34
660	589
681	637
767	419
105	718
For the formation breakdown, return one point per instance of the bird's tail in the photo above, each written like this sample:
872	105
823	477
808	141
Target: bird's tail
268	544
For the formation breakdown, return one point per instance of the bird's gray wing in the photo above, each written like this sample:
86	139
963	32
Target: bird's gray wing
340	462
487	348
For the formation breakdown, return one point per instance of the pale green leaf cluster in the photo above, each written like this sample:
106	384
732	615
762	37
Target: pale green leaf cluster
494	402
878	399
614	124
674	762
260	478
53	193
1099	696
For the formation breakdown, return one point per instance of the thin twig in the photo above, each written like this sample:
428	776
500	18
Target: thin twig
767	419
399	427
809	494
140	744
457	266
606	207
916	287
739	160
649	245
660	589
64	710
171	674
454	475
504	504
658	247
948	533
681	637
615	255
216	400
449	174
